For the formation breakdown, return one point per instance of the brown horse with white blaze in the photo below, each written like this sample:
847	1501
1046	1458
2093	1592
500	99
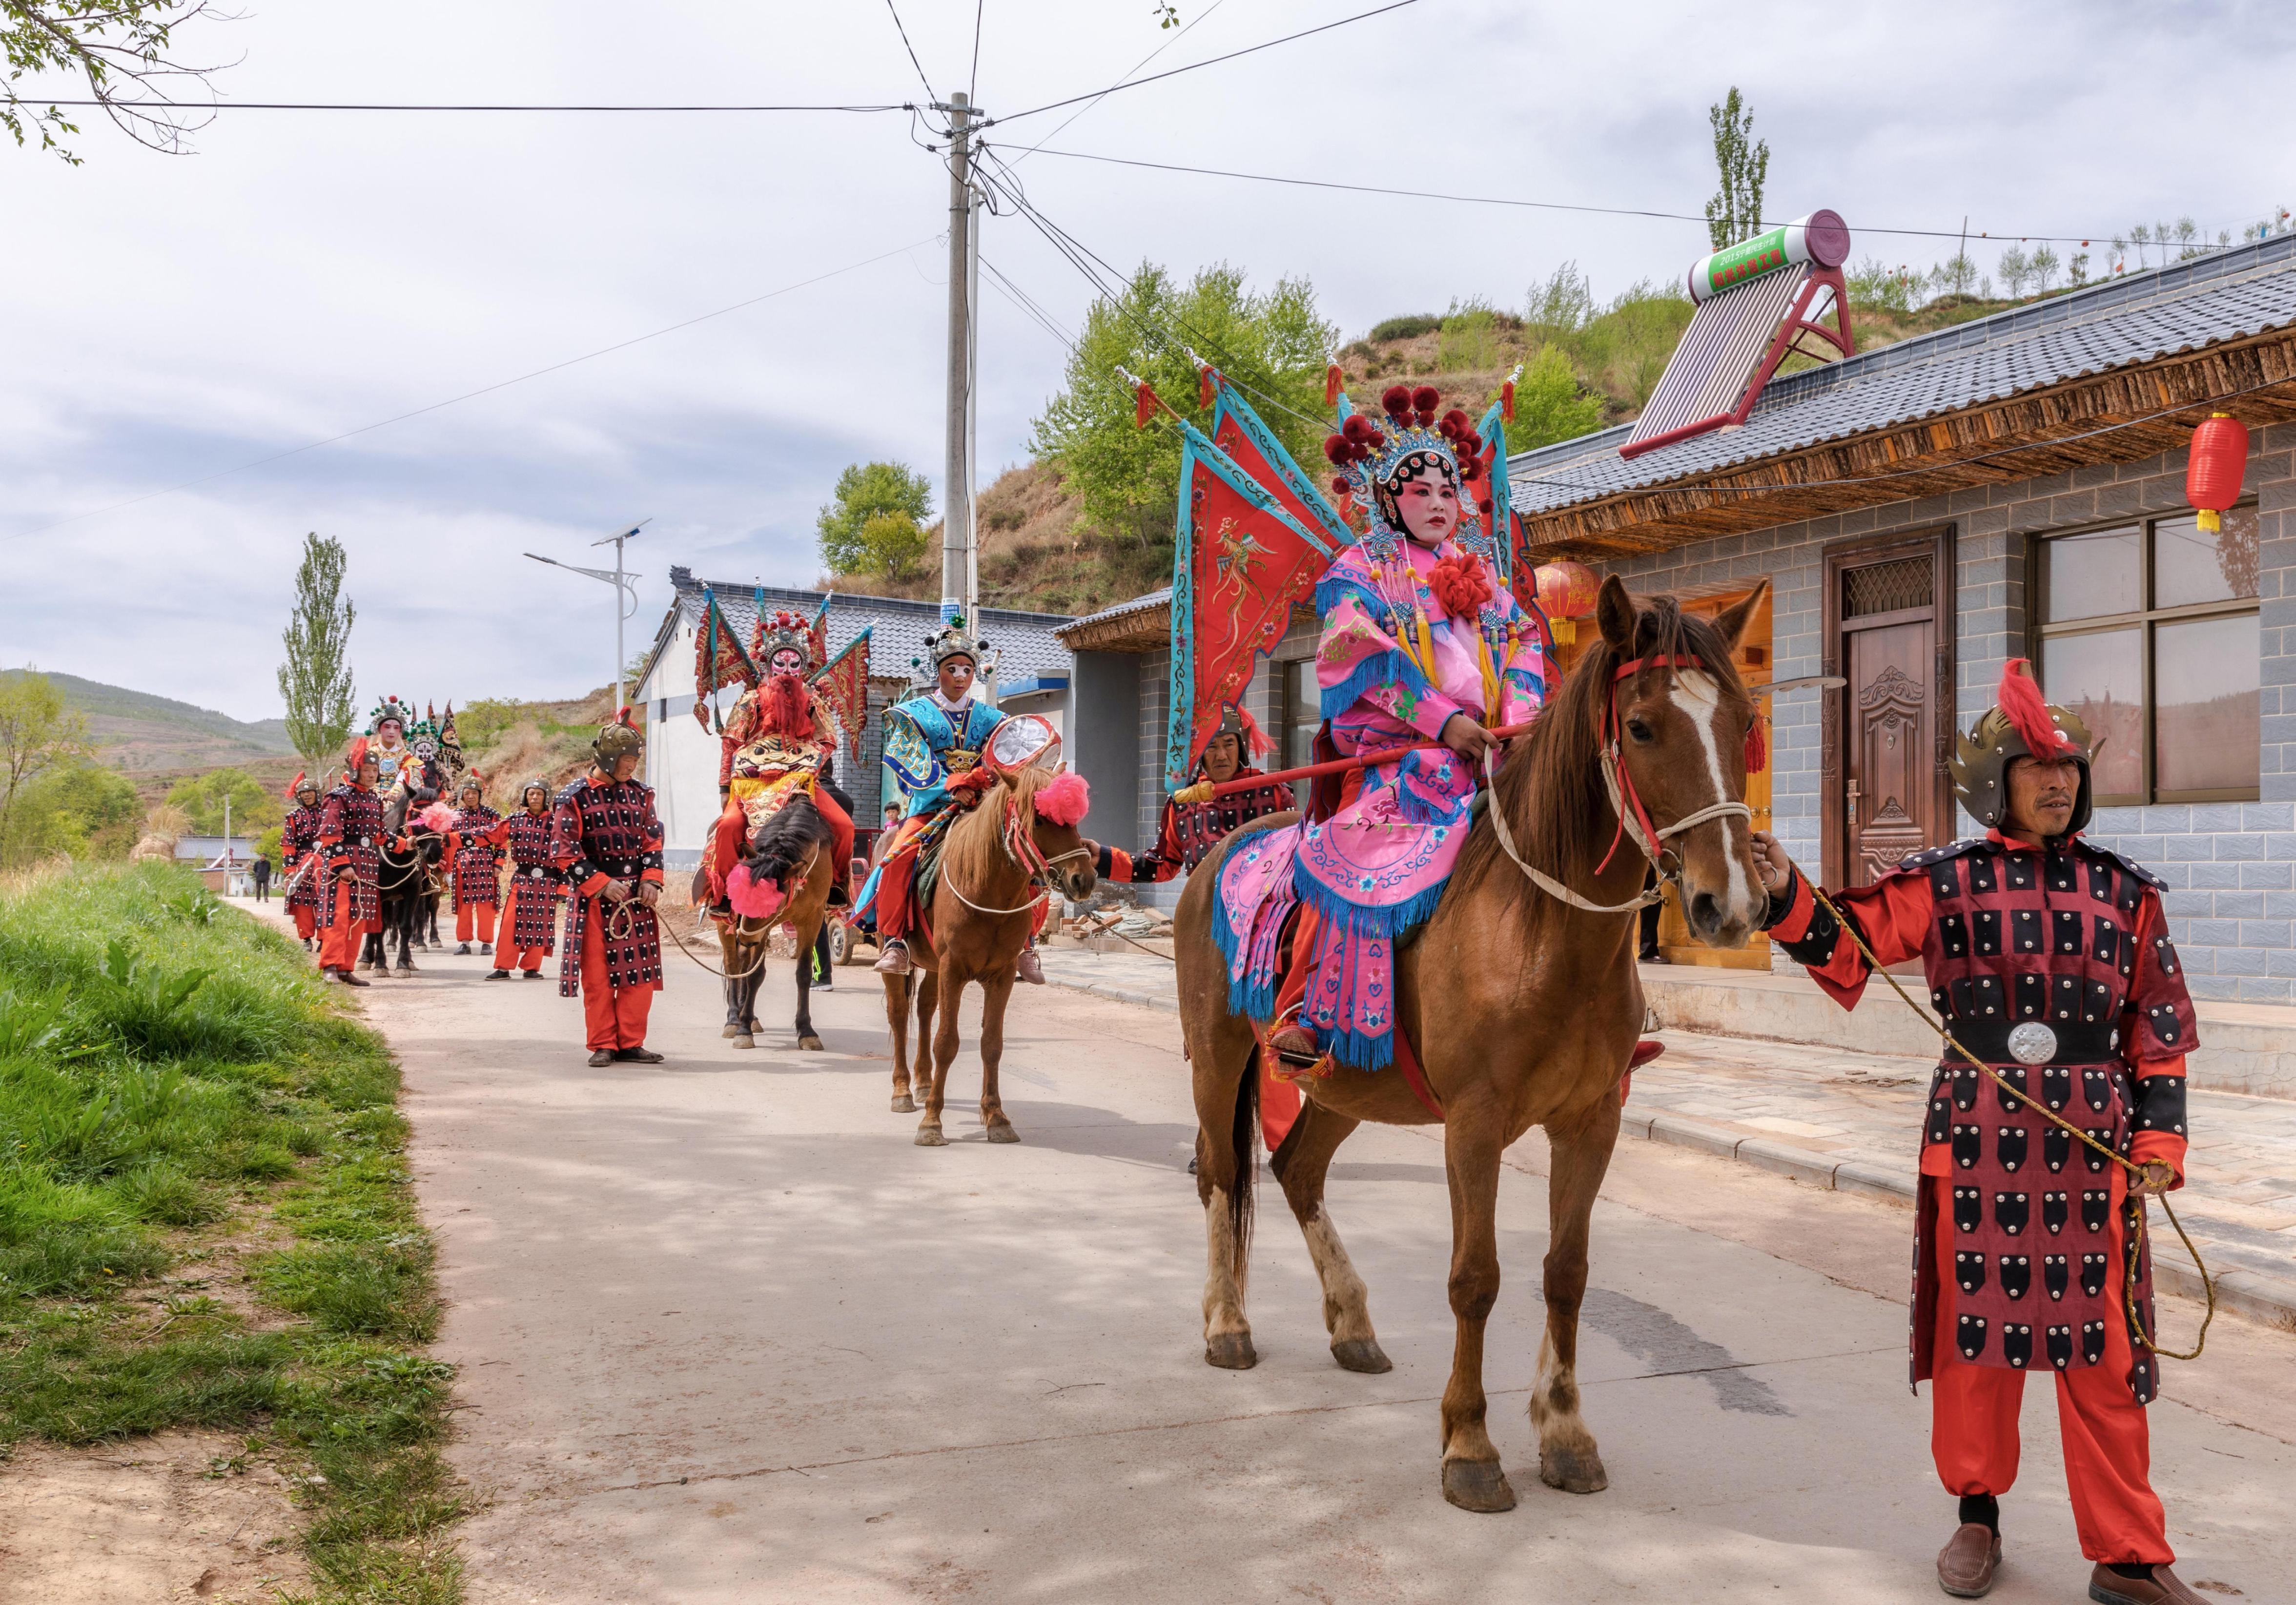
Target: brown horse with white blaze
1523	1007
984	908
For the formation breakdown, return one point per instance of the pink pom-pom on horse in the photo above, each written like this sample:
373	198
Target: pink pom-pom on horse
752	898
1063	799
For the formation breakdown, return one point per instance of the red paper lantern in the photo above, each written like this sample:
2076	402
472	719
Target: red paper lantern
1566	592
2212	474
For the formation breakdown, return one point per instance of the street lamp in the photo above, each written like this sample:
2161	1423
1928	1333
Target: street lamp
625	604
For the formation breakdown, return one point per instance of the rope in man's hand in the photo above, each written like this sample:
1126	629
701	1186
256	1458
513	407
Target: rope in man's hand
2141	1184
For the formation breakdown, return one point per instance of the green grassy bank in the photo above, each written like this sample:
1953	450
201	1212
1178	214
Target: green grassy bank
205	1219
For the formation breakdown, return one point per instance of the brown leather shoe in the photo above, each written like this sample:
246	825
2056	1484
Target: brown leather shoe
601	1058
1967	1563
2107	1586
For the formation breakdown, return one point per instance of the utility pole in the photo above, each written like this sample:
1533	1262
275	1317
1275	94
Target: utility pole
626	598
956	516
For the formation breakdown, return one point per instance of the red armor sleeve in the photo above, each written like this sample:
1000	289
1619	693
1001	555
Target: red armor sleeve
331	831
1892	915
2157	1029
654	839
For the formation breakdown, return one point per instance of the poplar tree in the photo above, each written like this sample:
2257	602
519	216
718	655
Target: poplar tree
1743	163
316	680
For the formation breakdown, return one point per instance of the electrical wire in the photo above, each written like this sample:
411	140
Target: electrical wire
1211	61
470	395
1135	67
153	107
911	49
972	83
1026	304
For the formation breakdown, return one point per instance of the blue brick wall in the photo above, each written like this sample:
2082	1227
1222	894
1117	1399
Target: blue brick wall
2231	866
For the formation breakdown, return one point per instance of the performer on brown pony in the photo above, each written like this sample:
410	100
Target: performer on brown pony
2049	958
775	726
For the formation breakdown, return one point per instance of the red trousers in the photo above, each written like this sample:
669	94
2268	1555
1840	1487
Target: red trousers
615	1017
2108	1457
339	942
732	834
481	914
896	871
307	920
530	959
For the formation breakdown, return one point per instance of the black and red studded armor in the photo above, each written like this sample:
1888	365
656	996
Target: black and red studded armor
477	880
605	831
299	835
1191	831
2053	965
350	836
535	882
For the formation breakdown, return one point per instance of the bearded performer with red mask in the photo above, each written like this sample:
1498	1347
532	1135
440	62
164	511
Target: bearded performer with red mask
778	728
1191	830
349	847
299	835
2049	959
605	842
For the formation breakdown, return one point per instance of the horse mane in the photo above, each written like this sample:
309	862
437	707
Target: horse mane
1551	785
974	845
785	841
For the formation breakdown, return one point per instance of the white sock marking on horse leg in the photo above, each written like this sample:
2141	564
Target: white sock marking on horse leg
1223	1282
1347	1312
1701	700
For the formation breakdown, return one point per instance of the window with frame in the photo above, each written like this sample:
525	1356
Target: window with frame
2149	631
1299	715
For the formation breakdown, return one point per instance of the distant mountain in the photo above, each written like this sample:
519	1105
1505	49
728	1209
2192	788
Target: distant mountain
136	732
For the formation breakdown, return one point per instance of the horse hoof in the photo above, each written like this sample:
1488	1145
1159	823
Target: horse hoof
810	1045
745	1040
1478	1485
1361	1354
1002	1131
903	1104
1230	1351
1572	1470
928	1136
731	1031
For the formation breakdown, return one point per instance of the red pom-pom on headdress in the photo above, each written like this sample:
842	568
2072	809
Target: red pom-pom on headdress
1397	399
1335	447
1064	800
2019	696
1426	398
1356	427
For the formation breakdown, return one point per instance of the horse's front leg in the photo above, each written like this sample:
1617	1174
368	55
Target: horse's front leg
729	956
1579	1155
1473	1477
1302	1165
995	991
807	1041
898	988
942	1054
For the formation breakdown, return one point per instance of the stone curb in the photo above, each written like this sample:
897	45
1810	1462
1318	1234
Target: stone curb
2268	1299
1122	995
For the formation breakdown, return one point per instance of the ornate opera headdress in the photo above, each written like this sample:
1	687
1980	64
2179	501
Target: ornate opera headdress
2018	724
782	632
391	707
952	640
423	734
1375	458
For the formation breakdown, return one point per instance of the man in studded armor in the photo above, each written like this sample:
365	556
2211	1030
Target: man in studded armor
350	848
528	928
298	834
1191	830
478	881
605	842
2049	959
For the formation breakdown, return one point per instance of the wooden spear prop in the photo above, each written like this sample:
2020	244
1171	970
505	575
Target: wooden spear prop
1204	790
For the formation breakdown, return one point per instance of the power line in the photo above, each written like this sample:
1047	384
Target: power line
911	49
1127	79
154	108
470	395
1548	206
972	83
1212	62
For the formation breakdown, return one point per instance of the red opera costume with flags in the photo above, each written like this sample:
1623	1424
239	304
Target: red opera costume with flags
782	737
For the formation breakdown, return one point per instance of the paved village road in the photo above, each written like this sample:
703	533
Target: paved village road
725	1334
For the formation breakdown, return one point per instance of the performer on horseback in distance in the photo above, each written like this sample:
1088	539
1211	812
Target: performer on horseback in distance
778	728
1190	829
605	842
1419	641
2049	959
934	745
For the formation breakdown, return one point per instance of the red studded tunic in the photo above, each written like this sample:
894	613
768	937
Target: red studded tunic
604	830
476	881
299	833
1190	830
350	836
2072	938
534	881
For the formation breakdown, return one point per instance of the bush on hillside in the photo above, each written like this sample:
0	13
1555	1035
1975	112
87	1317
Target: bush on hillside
1410	327
78	810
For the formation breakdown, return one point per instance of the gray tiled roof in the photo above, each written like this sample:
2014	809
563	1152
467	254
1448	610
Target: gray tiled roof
1123	609
1024	642
2222	295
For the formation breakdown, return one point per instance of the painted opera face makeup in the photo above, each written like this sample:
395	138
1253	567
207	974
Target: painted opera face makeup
788	663
956	677
390	732
1428	504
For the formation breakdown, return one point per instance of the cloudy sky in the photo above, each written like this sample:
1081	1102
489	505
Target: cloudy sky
171	319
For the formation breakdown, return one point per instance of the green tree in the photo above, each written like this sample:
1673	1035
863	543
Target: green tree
1742	164
1272	345
866	491
253	807
76	808
119	49
894	543
37	734
316	680
1550	403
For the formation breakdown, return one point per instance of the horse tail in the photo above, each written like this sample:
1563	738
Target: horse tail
1243	1135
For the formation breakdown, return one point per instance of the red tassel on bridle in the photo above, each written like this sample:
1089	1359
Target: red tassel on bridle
1757	744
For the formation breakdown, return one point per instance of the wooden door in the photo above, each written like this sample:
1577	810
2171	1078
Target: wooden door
1889	628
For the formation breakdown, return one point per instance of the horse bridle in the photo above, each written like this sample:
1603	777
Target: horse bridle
1634	819
1021	850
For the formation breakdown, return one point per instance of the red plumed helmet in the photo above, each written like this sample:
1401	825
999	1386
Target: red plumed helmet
1426	398
2018	696
1397	399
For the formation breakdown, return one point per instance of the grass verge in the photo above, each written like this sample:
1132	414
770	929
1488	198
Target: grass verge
187	1119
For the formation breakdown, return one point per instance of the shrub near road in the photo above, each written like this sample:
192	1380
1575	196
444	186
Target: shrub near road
205	1216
